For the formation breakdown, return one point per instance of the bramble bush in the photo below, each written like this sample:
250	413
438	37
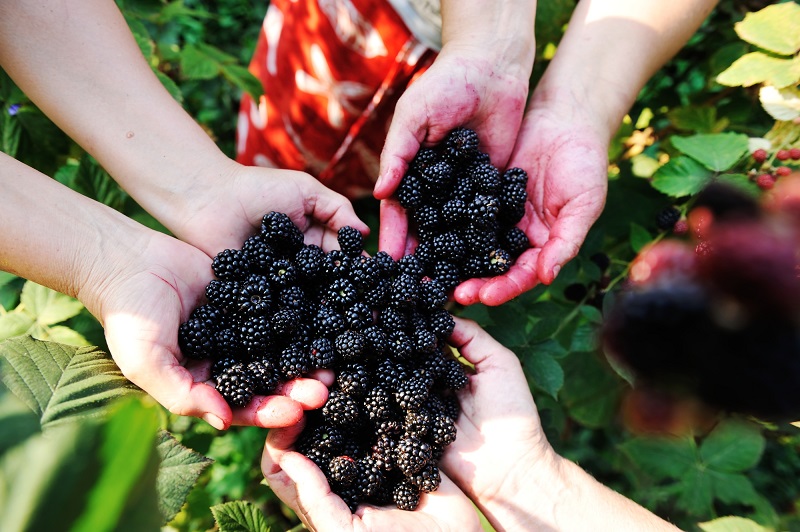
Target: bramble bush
81	448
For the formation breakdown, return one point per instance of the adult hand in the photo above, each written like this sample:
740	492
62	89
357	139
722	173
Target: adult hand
565	153
142	302
299	483
466	87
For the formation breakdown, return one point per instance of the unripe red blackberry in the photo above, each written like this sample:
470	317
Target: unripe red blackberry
760	155
783	155
783	171
765	181
794	153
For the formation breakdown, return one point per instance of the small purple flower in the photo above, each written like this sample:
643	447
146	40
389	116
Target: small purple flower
14	109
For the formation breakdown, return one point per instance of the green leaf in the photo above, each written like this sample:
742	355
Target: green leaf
639	237
179	470
18	422
696	493
239	516
92	180
584	338
592	314
717	151
14	324
48	306
243	79
542	369
64	335
6	278
661	457
196	64
731	523
60	382
733	446
740	181
758	67
694	118
591	391
774	28
733	488
681	176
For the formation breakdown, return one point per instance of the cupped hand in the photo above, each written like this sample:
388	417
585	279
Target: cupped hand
300	484
566	156
226	210
463	87
141	304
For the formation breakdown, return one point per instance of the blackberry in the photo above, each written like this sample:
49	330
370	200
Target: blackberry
328	323
196	338
284	323
336	265
400	346
515	241
255	295
432	294
498	262
409	193
341	293
515	176
234	385
259	254
427	217
370	477
452	408
351	241
441	323
455	378
487	178
413	454
353	380
386	263
418	422
426	253
340	410
350	345
427	479
406	495
378	404
411	394
483	211
666	218
375	340
378	295
221	364
424	341
351	496
223	294
410	265
264	375
464	189
455	213
302	335
294	298
447	274
343	470
364	272
319	457
437	177
423	159
255	334
282	273
230	264
479	241
321	353
390	428
443	431
210	315
393	319
322	437
512	203
461	146
403	292
449	246
278	230
227	343
293	362
358	316
389	375
309	262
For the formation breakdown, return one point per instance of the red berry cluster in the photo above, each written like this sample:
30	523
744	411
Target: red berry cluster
766	174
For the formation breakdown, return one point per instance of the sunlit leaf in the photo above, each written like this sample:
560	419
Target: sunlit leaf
731	523
716	152
48	306
239	516
733	446
758	67
179	470
681	176
774	28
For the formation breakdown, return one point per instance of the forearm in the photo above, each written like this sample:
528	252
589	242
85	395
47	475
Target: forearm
611	49
58	238
79	63
503	30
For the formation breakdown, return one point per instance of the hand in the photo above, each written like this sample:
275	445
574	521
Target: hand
463	87
141	305
222	212
299	483
566	156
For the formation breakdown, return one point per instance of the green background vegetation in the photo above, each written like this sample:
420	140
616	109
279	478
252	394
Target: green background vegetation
80	448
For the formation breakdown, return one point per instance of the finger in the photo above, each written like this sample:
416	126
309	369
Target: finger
468	292
327	207
474	343
279	441
520	278
269	411
393	236
308	393
403	141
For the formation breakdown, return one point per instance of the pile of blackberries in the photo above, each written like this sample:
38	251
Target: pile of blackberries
464	211
279	309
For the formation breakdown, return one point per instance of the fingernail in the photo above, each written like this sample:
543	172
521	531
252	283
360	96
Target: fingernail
214	421
556	269
379	181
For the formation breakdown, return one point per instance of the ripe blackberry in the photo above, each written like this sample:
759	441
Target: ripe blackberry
449	246
455	378
483	211
442	323
403	292
341	410
393	319
426	253
350	345
227	343
322	437
423	159
427	479
410	265
386	263
336	265
221	364
358	316
454	213
210	315
375	340
437	178
370	477
259	254
406	495
443	431
196	338
309	262
230	264
264	375
353	380
284	323
364	272
418	423
321	353
294	298
378	404
461	146
479	241
255	334
447	274
498	262
464	189
487	178
400	346
282	273
390	428
432	294
303	335
515	241
328	323
411	394
424	341
452	408
409	193
234	384
413	454
515	176
223	294
389	375
351	241
319	457
278	230
378	295
293	361
343	470
512	203
255	296
427	217
666	218
341	293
